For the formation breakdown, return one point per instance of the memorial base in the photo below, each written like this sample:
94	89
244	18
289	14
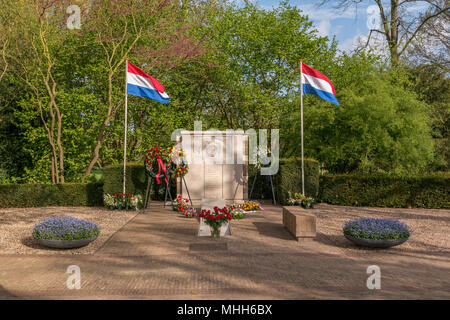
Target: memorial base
204	230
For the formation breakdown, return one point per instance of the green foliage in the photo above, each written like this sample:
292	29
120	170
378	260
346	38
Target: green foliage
136	181
42	195
254	66
385	191
379	127
432	84
245	75
288	179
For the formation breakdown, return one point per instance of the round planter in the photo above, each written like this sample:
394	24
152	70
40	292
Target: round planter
65	244
385	243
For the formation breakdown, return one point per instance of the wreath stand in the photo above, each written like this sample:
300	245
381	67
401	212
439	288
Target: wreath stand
271	184
167	192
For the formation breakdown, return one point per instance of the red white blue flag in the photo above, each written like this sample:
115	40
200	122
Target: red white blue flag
141	84
315	82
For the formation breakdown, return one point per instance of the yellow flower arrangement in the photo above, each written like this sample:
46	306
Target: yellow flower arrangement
251	206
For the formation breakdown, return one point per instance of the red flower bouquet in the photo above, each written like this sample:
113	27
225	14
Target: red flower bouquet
181	204
215	219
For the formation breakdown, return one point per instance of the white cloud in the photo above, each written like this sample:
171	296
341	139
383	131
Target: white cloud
319	13
324	28
377	44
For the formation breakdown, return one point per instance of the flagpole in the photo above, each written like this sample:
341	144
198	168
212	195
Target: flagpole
301	120
125	130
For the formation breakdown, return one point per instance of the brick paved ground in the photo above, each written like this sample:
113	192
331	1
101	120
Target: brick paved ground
157	255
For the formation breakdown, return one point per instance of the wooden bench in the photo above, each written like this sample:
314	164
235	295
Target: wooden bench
299	222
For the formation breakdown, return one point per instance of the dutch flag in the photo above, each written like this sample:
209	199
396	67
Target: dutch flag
141	84
316	83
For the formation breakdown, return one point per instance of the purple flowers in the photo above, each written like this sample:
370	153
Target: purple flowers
65	228
377	229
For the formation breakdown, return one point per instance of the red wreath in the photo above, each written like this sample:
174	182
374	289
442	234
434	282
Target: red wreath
160	157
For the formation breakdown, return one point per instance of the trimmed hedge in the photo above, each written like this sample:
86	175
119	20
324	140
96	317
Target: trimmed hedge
288	178
42	195
385	191
136	181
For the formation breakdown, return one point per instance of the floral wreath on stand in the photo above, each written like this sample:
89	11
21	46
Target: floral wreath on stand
177	158
158	163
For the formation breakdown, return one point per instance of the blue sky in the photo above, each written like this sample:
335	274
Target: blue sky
347	25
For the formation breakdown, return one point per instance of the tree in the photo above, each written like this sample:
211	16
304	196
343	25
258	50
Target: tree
28	50
380	126
400	26
156	33
254	63
73	80
432	85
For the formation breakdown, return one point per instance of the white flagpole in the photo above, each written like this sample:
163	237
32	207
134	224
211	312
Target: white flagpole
125	130
301	120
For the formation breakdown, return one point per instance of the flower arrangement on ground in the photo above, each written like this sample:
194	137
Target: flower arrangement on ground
190	212
65	228
377	229
300	200
236	211
182	207
251	206
123	201
215	219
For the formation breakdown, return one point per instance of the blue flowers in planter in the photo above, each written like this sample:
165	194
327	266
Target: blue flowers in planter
65	228
377	229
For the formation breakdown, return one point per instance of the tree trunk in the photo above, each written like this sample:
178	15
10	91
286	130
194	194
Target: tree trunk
393	39
101	133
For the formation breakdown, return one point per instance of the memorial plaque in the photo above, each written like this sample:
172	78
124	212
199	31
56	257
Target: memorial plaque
217	163
213	181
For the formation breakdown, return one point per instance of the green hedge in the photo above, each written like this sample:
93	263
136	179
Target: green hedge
42	195
385	191
288	178
136	181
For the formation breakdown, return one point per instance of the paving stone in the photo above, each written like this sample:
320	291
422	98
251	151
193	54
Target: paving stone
157	255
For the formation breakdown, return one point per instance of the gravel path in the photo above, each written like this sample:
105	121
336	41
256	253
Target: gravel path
16	225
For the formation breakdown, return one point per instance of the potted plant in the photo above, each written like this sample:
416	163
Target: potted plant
300	200
65	232
376	232
215	219
123	201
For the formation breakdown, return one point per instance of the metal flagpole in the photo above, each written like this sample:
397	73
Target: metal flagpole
301	120
125	129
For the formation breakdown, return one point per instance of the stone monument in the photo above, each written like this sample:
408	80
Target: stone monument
218	166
